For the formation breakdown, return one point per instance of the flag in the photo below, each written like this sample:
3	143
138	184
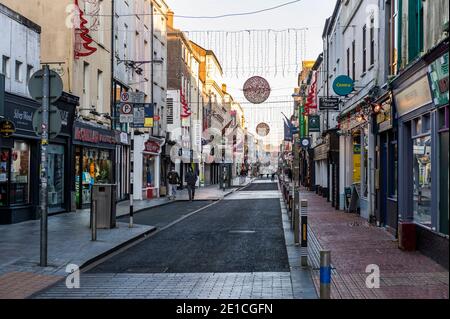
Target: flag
287	132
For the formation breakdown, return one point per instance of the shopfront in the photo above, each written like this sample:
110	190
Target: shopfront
386	166
20	158
95	148
354	163
422	153
147	165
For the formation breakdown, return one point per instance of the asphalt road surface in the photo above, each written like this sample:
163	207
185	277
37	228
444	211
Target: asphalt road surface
242	235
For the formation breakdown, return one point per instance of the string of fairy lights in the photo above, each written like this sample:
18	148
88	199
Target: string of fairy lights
265	52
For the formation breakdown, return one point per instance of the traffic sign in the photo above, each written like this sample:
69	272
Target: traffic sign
126	109
126	118
139	115
55	122
36	83
125	97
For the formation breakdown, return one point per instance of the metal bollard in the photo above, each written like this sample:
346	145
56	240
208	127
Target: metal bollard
304	231
296	219
94	220
325	274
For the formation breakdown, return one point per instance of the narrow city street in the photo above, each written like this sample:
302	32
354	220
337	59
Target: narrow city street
232	248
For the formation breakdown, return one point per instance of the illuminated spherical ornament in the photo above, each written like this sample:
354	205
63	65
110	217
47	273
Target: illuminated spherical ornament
263	129
256	90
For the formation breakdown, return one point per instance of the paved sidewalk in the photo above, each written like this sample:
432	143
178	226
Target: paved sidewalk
69	242
355	244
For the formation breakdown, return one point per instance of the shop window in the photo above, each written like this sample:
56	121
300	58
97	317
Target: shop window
20	173
55	176
148	177
96	168
422	180
4	178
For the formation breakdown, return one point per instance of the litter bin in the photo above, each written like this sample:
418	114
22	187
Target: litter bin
105	196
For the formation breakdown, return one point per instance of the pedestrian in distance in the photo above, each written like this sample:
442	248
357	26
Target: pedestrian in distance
191	181
174	181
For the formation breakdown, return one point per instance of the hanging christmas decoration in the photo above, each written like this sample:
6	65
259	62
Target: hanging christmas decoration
256	90
185	111
263	129
82	47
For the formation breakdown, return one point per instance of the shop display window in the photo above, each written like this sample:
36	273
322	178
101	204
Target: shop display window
4	176
55	176
422	149
96	168
148	175
20	173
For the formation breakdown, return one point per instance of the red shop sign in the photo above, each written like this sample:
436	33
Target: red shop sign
91	136
152	147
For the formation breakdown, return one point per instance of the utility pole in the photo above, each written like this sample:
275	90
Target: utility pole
44	165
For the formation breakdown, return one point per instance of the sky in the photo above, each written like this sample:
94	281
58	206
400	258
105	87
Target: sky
309	14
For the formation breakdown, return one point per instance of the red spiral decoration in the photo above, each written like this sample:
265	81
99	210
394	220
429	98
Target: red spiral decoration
83	32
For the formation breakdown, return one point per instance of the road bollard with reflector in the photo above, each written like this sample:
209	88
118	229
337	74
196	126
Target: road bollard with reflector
304	232
94	220
325	274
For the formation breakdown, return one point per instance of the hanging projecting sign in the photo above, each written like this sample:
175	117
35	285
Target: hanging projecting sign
438	71
314	123
343	85
256	90
7	128
329	103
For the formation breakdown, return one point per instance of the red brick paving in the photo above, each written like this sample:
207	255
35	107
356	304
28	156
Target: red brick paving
20	285
354	244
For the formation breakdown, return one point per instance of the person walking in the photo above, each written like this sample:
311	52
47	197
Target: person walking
191	180
174	181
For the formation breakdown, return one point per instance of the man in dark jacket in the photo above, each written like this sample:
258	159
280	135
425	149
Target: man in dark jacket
191	180
174	181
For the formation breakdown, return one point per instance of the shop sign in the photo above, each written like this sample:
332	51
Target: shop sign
7	128
413	97
152	147
438	72
329	103
92	136
314	123
343	85
385	117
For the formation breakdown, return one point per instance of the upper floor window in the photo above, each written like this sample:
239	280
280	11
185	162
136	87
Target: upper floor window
5	66
19	76
372	41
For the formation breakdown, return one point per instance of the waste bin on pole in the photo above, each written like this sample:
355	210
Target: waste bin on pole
105	197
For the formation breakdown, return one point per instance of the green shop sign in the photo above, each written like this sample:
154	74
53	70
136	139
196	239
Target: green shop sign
314	123
343	85
438	72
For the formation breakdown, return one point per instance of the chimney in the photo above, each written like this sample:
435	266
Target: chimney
224	88
170	15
